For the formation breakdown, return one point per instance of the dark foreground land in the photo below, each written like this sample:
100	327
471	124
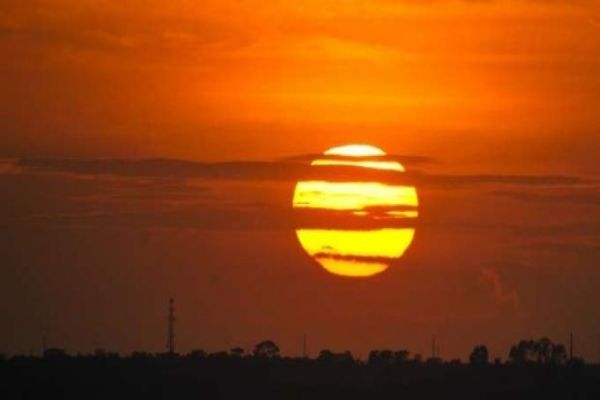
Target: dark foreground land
113	377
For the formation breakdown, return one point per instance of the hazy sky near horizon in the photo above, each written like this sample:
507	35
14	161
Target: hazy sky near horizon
492	104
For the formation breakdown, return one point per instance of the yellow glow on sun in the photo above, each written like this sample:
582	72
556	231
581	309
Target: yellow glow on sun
355	150
355	252
403	214
352	269
357	243
382	165
352	195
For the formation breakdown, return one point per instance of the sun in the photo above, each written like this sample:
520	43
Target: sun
355	150
355	223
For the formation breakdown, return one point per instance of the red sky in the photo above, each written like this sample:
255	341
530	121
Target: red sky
500	98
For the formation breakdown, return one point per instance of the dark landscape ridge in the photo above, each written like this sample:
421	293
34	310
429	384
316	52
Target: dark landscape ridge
534	369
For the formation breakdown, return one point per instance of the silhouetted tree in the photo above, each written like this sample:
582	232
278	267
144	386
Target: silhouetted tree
100	353
325	355
329	357
523	352
388	357
559	355
401	356
479	356
55	353
221	355
381	358
237	352
542	351
141	355
266	349
576	361
197	354
434	361
103	353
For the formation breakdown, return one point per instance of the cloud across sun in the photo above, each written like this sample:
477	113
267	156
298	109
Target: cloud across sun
357	252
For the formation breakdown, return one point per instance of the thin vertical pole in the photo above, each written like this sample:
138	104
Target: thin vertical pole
44	345
171	328
571	347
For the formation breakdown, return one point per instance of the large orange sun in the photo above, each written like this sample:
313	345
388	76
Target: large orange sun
363	223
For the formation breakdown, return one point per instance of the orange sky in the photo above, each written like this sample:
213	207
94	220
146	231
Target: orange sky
145	78
493	104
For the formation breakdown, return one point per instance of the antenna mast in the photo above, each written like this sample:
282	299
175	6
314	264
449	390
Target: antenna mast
171	329
571	347
304	350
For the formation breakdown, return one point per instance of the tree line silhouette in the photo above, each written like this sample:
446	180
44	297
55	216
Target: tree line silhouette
534	368
541	352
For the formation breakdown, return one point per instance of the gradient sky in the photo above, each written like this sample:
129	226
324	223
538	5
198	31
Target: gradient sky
493	106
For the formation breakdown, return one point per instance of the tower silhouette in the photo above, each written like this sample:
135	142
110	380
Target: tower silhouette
171	327
304	346
571	347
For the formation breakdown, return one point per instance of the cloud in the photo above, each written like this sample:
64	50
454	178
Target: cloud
589	227
9	166
579	196
120	29
517	180
243	195
326	219
286	171
575	247
490	279
402	159
235	170
201	218
63	36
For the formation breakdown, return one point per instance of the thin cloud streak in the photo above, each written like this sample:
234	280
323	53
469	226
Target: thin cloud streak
581	196
281	171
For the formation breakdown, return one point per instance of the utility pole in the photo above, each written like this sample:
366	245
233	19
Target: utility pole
171	327
304	348
44	345
571	347
433	347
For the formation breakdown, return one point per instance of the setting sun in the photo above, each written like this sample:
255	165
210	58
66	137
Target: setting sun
357	252
355	150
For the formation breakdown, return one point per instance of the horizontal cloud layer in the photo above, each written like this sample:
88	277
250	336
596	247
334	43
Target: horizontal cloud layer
280	171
